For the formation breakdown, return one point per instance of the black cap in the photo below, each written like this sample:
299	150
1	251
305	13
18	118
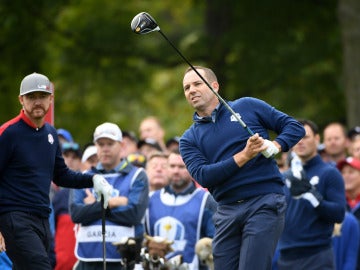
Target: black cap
175	139
131	135
353	132
150	142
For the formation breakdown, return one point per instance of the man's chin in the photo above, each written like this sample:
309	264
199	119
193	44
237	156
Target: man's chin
38	116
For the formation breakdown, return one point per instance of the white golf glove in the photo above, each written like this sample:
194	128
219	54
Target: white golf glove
271	149
102	187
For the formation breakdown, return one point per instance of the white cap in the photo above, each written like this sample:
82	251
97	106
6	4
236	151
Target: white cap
89	151
108	130
35	83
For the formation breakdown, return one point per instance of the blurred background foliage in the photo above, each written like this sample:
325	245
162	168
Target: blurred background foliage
288	53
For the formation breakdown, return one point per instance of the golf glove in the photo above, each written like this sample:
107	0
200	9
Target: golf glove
313	196
302	188
296	185
102	187
271	149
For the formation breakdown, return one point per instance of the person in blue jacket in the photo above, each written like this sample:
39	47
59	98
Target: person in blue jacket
5	263
316	201
181	212
30	158
346	241
222	157
127	205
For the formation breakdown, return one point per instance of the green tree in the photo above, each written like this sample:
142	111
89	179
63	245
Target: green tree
287	53
349	16
24	35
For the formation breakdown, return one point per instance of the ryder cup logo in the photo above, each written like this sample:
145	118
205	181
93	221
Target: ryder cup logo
170	228
314	180
50	139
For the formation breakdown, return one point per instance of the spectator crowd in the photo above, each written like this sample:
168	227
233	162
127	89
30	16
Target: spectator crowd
160	161
154	196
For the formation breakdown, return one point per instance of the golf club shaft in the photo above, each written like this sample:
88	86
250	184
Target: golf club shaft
103	231
237	116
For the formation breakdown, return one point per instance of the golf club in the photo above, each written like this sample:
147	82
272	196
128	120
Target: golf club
103	231
143	23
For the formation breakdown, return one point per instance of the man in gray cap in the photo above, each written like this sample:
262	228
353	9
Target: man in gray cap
30	158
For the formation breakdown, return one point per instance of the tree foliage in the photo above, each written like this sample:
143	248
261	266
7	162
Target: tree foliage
288	53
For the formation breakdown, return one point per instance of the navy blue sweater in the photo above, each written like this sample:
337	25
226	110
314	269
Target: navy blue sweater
208	146
30	158
308	229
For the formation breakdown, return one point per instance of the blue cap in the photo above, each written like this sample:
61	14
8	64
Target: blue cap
66	134
71	146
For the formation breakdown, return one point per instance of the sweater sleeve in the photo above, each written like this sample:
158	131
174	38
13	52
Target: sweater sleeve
81	212
206	174
288	130
332	208
138	199
5	153
65	177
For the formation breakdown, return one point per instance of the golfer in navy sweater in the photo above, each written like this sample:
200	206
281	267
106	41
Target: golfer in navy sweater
248	186
30	158
316	200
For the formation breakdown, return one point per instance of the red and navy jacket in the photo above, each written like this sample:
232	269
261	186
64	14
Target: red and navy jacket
30	158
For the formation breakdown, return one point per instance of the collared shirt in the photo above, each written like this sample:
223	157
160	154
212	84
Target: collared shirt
208	118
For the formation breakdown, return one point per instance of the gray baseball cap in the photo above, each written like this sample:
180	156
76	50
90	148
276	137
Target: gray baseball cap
35	83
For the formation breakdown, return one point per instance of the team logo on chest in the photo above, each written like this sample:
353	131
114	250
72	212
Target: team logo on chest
50	139
170	228
233	118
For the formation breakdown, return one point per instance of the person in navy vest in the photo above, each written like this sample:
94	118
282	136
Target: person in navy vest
181	212
30	158
126	208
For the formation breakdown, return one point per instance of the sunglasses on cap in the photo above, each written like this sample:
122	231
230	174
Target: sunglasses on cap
137	159
66	146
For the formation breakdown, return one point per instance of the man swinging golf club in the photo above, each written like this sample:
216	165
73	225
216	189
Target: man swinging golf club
237	169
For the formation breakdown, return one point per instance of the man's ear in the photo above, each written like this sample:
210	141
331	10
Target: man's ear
21	100
215	86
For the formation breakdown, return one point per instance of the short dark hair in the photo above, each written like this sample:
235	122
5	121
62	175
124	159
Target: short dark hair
209	73
131	135
311	124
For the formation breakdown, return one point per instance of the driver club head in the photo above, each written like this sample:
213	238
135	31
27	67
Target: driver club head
143	23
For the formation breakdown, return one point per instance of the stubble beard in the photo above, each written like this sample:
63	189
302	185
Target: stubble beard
37	113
